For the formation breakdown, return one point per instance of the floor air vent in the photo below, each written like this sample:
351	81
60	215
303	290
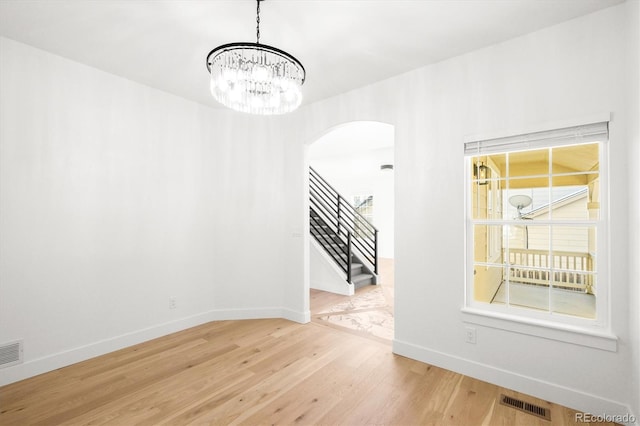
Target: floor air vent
535	410
10	354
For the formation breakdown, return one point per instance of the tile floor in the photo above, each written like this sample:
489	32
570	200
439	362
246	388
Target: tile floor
369	312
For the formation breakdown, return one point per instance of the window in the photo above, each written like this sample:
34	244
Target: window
363	204
536	225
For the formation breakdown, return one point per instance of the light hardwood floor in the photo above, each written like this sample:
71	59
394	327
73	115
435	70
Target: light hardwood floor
270	371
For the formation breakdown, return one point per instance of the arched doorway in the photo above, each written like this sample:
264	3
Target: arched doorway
356	159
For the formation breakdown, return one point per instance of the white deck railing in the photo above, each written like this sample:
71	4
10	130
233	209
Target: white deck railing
562	269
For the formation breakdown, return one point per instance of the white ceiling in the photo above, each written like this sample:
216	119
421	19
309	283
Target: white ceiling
343	44
349	156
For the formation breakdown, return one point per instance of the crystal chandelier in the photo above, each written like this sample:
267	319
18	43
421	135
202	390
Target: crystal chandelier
255	78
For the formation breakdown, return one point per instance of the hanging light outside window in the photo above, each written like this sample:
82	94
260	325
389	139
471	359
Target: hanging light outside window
255	78
482	173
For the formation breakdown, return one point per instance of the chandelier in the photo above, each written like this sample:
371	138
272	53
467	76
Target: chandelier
255	78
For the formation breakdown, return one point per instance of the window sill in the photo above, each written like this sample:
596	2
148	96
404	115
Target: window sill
561	332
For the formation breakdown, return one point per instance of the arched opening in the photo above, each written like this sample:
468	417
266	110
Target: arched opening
355	160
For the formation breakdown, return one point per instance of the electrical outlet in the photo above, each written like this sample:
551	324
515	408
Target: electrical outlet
470	335
173	303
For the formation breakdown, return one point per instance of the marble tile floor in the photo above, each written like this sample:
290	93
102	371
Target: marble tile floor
368	313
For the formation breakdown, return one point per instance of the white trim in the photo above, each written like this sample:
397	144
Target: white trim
576	335
547	139
62	359
579	326
295	316
569	397
540	127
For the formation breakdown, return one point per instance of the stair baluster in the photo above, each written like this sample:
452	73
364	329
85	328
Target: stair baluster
343	232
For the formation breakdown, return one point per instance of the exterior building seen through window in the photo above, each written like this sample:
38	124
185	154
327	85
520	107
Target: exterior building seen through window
363	204
534	220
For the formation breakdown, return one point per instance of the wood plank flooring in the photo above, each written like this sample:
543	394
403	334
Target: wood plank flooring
254	372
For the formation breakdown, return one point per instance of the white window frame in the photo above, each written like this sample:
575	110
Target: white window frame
588	332
494	200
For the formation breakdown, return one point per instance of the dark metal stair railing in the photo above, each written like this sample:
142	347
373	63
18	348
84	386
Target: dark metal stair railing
341	213
339	227
332	243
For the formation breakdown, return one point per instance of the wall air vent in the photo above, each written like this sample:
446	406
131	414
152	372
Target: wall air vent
532	409
10	353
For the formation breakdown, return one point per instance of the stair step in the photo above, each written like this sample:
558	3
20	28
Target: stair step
331	236
356	268
329	241
362	280
324	235
360	277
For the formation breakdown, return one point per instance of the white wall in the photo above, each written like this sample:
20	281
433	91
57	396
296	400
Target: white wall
633	77
555	75
114	197
349	158
360	175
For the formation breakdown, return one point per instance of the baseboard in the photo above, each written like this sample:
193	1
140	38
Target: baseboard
559	394
62	359
344	288
301	317
262	313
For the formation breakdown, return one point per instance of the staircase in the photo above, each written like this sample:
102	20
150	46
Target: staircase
344	234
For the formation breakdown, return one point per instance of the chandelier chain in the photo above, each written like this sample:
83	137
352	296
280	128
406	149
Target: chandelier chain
258	23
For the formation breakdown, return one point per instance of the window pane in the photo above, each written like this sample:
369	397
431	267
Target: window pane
575	302
487	241
572	261
569	202
573	254
487	199
527	199
575	158
494	198
498	165
475	194
533	277
480	171
573	239
530	296
486	281
479	200
527	241
528	288
529	163
529	183
572	280
581	179
488	167
576	197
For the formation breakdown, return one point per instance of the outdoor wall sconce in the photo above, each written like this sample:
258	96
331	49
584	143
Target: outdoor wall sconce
482	173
